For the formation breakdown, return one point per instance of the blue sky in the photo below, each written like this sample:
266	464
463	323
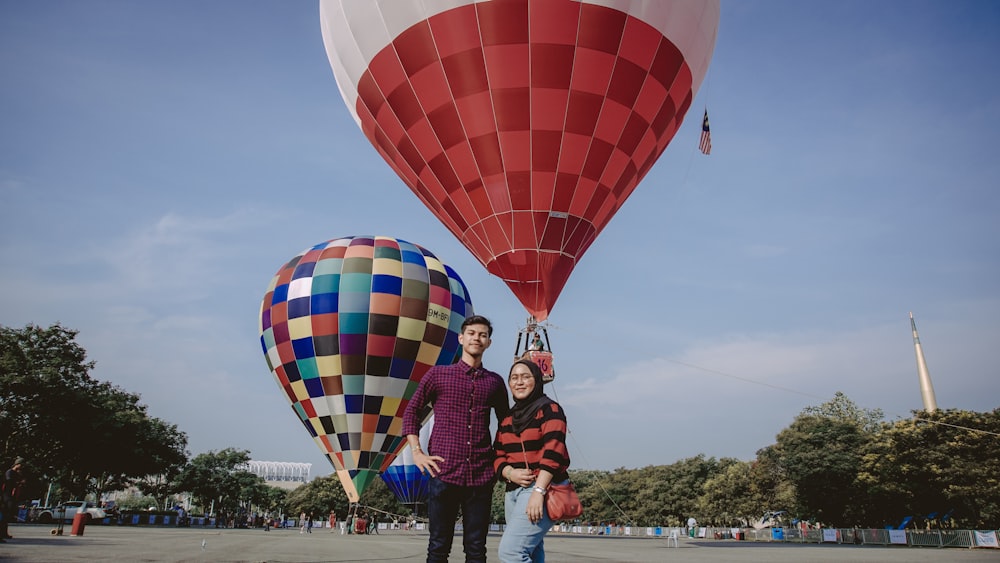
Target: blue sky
160	161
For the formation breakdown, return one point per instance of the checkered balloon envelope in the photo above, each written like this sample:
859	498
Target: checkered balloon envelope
349	327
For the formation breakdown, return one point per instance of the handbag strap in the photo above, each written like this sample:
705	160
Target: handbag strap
524	451
527	465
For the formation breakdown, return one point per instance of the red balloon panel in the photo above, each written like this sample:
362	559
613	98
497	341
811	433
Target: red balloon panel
525	126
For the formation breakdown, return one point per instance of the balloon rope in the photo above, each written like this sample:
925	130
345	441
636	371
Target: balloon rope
600	479
402	517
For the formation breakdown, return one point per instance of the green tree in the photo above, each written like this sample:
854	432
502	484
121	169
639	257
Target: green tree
822	457
245	490
589	484
319	496
841	408
731	498
814	464
381	499
154	447
323	494
159	487
609	497
769	483
669	494
650	496
66	424
138	503
946	462
272	500
219	479
497	511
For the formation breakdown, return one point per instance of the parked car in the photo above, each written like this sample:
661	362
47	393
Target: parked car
68	510
34	511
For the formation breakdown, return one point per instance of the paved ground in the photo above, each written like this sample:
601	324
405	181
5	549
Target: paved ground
113	543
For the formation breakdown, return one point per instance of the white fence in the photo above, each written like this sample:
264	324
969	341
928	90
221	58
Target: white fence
859	536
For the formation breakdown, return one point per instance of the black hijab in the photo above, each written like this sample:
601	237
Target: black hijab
524	410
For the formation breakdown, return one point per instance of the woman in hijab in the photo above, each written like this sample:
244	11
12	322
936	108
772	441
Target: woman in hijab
531	452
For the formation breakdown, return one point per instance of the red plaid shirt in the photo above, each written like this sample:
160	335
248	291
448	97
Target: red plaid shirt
462	397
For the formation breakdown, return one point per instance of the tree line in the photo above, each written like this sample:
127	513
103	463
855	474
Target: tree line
835	464
83	438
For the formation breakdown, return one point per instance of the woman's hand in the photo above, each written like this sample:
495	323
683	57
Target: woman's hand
534	509
520	477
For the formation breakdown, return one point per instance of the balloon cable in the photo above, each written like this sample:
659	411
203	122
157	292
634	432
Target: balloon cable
601	476
626	344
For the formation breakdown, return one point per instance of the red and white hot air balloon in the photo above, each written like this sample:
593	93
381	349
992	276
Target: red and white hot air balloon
523	125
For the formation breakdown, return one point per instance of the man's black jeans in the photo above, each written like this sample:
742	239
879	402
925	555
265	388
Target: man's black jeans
443	503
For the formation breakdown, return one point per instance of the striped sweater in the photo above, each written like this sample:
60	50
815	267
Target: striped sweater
544	445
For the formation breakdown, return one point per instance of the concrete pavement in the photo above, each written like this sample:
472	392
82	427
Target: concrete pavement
34	542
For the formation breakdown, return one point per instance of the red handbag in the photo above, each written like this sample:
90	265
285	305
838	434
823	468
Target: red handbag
561	500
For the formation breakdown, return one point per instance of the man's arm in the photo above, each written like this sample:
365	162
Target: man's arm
412	420
499	403
414	441
416	408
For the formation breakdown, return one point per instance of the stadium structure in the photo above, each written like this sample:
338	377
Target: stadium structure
283	474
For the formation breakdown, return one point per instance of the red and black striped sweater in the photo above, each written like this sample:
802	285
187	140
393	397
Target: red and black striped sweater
542	445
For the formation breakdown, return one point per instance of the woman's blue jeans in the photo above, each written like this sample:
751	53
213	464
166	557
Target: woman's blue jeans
523	540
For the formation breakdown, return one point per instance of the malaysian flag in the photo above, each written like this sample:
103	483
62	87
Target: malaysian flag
705	145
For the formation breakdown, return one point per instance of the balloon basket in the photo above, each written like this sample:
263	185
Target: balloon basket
537	348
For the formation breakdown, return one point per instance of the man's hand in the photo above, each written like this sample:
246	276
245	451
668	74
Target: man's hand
428	463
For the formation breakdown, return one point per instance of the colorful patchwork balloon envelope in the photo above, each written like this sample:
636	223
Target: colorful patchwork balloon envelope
349	327
523	125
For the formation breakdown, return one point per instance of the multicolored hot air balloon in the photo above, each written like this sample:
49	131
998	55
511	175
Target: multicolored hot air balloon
522	124
349	327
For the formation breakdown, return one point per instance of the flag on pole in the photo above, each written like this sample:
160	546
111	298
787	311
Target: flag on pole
705	145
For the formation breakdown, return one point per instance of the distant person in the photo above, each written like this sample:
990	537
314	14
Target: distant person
302	522
536	344
333	521
531	453
459	458
181	514
692	524
11	487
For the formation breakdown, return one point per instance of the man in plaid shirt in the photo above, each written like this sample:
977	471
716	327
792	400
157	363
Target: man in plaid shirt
460	454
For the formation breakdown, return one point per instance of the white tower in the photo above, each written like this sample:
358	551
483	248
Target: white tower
926	387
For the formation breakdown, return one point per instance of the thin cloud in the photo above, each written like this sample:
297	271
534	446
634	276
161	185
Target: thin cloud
873	365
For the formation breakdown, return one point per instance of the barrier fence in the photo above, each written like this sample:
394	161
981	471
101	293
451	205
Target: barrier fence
857	536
